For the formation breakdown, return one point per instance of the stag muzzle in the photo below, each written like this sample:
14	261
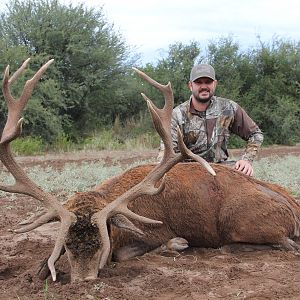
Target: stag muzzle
84	268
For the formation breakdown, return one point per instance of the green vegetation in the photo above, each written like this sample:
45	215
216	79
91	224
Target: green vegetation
134	134
90	94
46	290
28	146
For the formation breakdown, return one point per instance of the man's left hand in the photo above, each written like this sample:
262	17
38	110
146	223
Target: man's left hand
244	166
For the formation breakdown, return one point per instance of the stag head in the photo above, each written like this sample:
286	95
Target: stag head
86	217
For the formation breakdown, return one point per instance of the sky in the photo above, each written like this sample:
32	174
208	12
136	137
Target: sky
151	26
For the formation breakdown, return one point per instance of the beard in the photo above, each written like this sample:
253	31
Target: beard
202	100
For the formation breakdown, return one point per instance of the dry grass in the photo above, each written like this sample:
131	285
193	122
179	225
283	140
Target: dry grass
81	177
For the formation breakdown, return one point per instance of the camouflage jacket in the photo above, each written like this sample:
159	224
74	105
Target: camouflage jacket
207	133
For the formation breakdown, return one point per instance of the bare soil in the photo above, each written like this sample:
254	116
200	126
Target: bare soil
193	274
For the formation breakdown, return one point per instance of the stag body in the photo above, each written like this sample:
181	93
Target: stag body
212	211
207	211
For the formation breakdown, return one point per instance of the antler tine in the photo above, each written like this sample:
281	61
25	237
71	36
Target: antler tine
183	149
12	128
23	184
161	117
19	71
162	123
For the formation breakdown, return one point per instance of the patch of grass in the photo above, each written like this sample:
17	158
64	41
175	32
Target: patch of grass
28	146
71	179
108	140
63	143
280	170
74	177
137	133
103	140
46	290
144	141
134	133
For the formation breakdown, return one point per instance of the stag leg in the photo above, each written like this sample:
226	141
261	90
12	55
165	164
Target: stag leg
286	244
137	248
172	247
289	245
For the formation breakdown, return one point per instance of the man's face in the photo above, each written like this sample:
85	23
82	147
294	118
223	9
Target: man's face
203	89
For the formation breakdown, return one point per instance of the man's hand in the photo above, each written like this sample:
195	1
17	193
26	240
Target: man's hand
244	166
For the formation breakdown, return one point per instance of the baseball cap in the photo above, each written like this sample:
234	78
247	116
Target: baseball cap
203	70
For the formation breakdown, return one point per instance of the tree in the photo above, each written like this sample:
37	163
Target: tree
176	67
275	92
43	117
91	60
264	81
226	57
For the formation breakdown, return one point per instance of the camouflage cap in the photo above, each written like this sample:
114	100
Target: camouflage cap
202	70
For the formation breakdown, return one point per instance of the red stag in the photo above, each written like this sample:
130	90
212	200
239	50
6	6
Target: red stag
169	203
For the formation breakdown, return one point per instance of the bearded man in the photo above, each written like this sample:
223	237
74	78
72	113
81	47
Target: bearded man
207	121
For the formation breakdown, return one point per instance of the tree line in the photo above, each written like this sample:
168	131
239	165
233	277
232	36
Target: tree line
91	84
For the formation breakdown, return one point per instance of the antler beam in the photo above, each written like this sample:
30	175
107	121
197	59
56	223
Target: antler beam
23	184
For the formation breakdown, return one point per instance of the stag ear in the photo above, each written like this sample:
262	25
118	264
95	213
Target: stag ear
122	222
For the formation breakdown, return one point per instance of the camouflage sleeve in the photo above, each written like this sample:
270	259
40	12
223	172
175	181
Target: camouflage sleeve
253	145
247	129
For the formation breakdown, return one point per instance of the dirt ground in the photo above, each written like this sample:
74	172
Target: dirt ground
193	274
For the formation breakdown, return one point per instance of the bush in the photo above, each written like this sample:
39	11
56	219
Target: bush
28	146
63	143
103	140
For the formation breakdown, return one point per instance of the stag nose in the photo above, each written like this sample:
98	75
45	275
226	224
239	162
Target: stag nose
84	273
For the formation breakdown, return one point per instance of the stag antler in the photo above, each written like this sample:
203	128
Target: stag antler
23	184
162	123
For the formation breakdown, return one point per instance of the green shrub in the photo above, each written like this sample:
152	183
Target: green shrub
143	141
63	143
103	140
28	146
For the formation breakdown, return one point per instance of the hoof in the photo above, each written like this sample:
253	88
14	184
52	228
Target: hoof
177	244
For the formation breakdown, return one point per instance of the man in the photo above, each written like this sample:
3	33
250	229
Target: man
207	121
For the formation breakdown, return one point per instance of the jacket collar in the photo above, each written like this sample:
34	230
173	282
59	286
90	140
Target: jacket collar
192	109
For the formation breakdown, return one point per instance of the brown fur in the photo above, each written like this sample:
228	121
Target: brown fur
207	211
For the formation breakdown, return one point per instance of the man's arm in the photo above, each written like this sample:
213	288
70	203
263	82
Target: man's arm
253	145
246	128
